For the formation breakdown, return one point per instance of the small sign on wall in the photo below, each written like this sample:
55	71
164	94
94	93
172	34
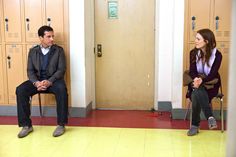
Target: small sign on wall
112	10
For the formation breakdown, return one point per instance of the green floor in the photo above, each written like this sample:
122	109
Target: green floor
110	142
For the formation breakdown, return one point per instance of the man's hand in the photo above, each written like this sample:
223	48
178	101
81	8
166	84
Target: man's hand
46	83
42	85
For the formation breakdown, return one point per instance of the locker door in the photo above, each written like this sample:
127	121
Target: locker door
15	74
55	18
33	19
222	20
190	47
1	21
199	16
1	78
224	69
12	20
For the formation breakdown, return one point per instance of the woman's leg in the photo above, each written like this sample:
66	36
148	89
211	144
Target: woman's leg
196	108
203	100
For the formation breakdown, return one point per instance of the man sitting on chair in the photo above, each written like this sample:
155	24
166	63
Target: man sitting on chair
46	68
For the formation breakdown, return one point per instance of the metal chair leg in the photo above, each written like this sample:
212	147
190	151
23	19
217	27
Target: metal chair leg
222	115
30	102
187	111
40	106
191	116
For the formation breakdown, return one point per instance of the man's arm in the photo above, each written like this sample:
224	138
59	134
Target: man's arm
61	67
31	71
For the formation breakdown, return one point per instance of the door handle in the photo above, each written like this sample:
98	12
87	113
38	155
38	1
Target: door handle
99	50
6	20
193	22
217	22
9	62
49	21
27	24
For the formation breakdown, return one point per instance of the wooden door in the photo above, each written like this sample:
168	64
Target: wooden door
1	77
55	18
199	16
222	19
12	20
33	19
125	72
15	70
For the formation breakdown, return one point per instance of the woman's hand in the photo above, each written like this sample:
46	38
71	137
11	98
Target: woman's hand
188	101
197	82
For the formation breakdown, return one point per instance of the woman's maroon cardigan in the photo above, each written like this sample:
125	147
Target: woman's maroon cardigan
214	73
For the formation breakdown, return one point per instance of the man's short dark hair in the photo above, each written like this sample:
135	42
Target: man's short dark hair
44	29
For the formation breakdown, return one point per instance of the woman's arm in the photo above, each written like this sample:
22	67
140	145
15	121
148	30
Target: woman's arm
215	68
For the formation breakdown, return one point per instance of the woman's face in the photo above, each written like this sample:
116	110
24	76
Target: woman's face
200	43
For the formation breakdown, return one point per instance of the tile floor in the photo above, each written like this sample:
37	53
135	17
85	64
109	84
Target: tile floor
110	142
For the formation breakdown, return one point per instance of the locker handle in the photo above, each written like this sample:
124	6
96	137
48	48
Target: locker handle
27	24
6	20
217	22
193	22
49	21
9	62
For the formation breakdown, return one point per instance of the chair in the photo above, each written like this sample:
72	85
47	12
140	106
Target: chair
218	96
40	105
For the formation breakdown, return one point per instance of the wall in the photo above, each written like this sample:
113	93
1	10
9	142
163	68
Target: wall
77	53
231	136
170	49
89	52
81	15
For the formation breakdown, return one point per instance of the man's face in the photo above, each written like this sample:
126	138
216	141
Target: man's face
47	39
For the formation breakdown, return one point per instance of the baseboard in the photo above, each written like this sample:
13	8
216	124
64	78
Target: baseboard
48	111
179	113
164	106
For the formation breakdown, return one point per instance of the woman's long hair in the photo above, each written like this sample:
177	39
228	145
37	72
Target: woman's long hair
210	40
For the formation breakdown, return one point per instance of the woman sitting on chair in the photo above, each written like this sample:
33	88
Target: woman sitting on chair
205	61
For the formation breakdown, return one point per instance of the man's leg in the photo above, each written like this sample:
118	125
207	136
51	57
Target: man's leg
59	89
23	92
